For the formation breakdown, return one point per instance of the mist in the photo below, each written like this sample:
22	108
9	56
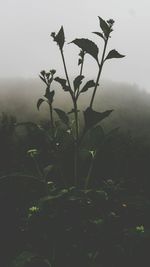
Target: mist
131	105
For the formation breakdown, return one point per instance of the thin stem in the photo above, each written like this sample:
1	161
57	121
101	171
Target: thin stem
51	118
66	73
76	119
38	168
90	172
99	72
76	143
81	70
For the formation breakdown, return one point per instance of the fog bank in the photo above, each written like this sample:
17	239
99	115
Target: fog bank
131	105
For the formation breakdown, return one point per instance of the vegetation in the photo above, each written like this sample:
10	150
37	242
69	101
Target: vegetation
71	194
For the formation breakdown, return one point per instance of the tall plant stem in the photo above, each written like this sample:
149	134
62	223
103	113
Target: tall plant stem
89	172
51	118
38	168
99	72
76	120
81	70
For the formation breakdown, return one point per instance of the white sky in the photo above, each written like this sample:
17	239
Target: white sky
26	46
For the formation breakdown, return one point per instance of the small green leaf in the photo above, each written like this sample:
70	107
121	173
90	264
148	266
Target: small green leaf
62	115
114	54
39	102
62	83
104	26
88	85
77	81
49	95
87	46
99	34
59	38
93	117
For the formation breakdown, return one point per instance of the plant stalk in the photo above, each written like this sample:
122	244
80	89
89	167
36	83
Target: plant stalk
51	118
89	172
76	119
99	72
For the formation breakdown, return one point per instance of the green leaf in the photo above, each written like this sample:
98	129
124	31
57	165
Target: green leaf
99	34
59	38
62	83
88	85
77	81
62	115
114	54
87	46
93	117
93	138
39	102
49	95
104	26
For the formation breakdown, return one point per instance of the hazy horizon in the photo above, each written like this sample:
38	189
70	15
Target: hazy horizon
27	48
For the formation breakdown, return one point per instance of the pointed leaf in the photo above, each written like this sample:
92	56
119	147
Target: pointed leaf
49	95
62	83
99	34
77	81
39	102
62	115
59	38
93	117
88	46
104	26
114	54
88	85
93	138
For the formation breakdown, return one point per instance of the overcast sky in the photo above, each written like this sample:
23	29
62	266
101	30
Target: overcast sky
26	46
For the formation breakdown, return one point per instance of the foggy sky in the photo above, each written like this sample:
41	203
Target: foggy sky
26	46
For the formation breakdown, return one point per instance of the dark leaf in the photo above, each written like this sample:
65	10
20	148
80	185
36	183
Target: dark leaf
43	79
93	117
49	95
81	54
99	34
52	72
40	101
60	38
84	154
88	85
104	26
43	73
114	54
77	81
63	83
62	115
87	46
48	169
93	138
80	61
